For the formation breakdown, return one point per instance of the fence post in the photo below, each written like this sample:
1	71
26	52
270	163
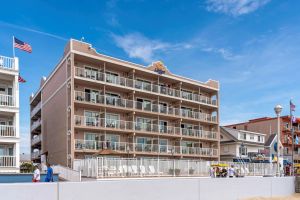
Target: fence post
188	164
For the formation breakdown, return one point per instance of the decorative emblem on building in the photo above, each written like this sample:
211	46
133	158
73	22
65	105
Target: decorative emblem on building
159	67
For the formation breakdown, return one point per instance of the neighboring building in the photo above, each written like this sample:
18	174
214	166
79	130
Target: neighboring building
240	145
268	125
9	115
96	104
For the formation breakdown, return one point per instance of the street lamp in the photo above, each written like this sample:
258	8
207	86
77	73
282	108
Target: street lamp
278	110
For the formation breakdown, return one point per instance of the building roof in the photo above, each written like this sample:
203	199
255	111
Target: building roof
234	134
270	140
260	119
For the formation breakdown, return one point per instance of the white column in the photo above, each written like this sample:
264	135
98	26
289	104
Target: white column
17	152
16	91
16	64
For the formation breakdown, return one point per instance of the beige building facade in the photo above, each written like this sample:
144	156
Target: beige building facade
93	104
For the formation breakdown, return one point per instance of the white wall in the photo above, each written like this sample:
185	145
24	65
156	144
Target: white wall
150	189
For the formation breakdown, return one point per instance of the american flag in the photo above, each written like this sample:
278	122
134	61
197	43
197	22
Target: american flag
21	80
292	106
22	45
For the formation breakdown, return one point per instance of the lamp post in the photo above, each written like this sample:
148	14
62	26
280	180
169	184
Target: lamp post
278	110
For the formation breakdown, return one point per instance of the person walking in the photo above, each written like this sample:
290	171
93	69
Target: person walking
231	172
36	174
49	176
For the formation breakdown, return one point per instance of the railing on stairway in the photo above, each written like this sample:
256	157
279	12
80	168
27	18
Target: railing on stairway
67	174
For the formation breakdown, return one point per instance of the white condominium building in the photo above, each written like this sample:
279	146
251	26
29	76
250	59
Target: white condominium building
9	115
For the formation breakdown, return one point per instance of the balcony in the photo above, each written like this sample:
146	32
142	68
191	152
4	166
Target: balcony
7	100
7	161
7	131
35	124
36	140
125	148
140	106
94	122
36	109
35	154
7	63
136	84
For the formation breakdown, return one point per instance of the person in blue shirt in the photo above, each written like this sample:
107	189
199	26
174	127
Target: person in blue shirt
49	176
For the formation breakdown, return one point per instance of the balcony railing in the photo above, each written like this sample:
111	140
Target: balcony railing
7	63
35	154
148	107
7	100
7	131
36	139
99	76
36	109
7	161
124	147
35	124
144	127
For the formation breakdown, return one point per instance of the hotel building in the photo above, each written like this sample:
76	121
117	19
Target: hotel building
9	115
268	126
93	104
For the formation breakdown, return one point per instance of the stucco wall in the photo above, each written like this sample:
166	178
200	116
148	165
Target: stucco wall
150	189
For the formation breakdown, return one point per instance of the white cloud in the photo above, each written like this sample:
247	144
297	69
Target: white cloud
235	7
225	53
137	45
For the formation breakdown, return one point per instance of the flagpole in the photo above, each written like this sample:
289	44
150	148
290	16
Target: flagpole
13	46
292	132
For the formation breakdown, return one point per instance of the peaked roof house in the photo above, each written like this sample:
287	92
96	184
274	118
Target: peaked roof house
240	145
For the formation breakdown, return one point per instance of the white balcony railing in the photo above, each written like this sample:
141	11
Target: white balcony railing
147	107
35	124
7	100
7	161
36	109
35	154
36	139
7	63
122	81
7	131
82	121
124	147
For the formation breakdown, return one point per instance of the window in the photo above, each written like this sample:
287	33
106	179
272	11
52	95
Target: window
243	136
243	151
92	95
258	138
143	144
142	84
91	118
112	120
143	124
91	72
112	99
143	104
112	77
186	94
251	137
163	126
163	107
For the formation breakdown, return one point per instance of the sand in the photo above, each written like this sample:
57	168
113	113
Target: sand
293	197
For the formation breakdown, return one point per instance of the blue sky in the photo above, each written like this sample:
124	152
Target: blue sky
251	46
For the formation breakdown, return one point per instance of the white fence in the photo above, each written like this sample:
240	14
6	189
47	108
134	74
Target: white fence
7	161
7	131
7	100
67	173
7	63
103	167
153	188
